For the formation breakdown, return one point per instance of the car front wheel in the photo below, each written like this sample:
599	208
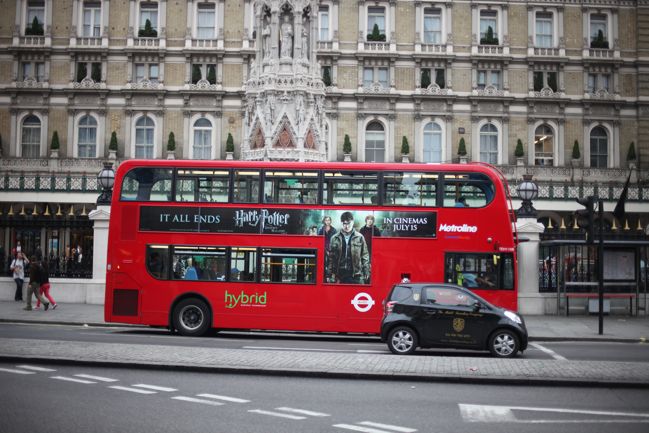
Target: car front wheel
504	344
402	340
192	317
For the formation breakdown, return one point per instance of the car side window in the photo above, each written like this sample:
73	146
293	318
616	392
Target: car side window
446	296
401	293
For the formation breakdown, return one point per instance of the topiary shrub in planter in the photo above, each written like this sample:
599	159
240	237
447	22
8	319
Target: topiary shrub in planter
376	35
425	78
326	76
55	145
489	38
36	29
229	147
347	148
631	156
599	41
575	150
112	146
171	146
148	31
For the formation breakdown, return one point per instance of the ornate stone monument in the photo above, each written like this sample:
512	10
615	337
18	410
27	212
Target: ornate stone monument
284	102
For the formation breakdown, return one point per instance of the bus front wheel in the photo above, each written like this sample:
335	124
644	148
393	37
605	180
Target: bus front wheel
192	317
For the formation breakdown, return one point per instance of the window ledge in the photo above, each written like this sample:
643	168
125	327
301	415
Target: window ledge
88	83
146	85
31	83
204	43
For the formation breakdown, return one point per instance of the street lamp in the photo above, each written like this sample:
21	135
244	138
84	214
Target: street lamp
527	190
106	178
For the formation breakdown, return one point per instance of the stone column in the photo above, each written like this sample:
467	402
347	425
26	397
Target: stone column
100	218
530	300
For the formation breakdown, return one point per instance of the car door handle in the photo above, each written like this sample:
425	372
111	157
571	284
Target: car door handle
431	312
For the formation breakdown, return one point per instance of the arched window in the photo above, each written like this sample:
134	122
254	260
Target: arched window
87	137
598	147
202	139
543	145
374	143
31	137
144	133
432	143
489	143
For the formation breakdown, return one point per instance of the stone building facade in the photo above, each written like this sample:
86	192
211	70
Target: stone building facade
556	75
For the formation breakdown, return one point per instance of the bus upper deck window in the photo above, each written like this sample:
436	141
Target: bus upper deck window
202	185
410	189
246	186
346	187
147	184
284	186
467	190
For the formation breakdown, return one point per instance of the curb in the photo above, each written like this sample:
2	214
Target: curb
495	380
641	340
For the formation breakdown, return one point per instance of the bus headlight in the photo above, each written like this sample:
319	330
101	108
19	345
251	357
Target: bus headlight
513	317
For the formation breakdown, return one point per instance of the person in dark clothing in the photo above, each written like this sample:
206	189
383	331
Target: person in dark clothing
35	275
369	230
44	291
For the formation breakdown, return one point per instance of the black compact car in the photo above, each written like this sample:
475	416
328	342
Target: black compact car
445	315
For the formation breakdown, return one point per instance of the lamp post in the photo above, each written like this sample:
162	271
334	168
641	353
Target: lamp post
527	190
106	179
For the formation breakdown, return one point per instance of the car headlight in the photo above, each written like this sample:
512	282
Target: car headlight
513	317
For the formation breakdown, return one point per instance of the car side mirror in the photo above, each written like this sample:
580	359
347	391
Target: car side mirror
477	305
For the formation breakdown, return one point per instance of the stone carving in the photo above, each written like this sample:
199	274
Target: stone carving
309	143
266	38
284	140
287	38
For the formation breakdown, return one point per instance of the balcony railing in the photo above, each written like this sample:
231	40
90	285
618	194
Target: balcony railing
146	42
490	49
539	51
601	53
32	40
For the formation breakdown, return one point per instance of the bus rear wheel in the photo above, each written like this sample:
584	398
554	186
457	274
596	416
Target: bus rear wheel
192	317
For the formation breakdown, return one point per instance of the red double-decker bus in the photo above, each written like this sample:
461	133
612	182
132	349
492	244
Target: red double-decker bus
195	245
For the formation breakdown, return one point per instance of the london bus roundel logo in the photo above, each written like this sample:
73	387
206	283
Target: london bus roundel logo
363	302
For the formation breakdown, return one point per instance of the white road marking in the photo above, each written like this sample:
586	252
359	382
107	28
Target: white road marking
388	426
155	388
372	351
277	414
197	400
224	398
33	367
98	378
301	411
135	390
296	349
72	379
360	428
499	414
550	352
10	370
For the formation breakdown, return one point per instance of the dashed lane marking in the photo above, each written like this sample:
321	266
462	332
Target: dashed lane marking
277	414
97	378
504	414
294	349
368	429
154	387
302	411
35	368
197	400
550	352
388	426
72	379
11	370
224	398
135	390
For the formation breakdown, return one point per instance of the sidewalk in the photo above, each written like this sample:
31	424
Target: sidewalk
342	365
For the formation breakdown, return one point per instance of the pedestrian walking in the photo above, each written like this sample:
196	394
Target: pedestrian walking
18	266
44	291
35	285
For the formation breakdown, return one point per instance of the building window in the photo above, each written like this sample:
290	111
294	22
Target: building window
488	78
144	132
148	12
323	20
543	79
326	75
34	26
87	137
436	74
31	137
432	26
543	146
544	29
206	21
598	148
146	71
488	20
374	142
34	70
375	75
489	144
92	19
203	72
432	143
599	31
202	148
89	70
375	16
598	82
